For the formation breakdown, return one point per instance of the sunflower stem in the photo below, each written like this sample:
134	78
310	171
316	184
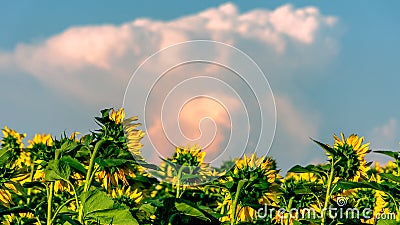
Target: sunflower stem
88	179
328	194
91	165
60	207
50	194
235	201
31	175
49	203
178	185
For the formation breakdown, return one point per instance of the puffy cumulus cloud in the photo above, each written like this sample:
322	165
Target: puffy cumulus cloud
92	64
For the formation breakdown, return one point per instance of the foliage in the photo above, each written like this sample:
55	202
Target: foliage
99	178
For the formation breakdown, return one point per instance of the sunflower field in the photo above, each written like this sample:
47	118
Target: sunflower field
100	178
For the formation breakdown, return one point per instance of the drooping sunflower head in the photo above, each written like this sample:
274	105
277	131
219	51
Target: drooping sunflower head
117	116
350	154
188	156
12	139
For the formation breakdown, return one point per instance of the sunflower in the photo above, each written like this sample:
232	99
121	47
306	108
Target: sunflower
187	161
189	156
349	153
12	138
264	166
5	198
108	178
24	159
282	217
13	219
261	187
133	136
309	177
41	139
244	214
127	195
117	116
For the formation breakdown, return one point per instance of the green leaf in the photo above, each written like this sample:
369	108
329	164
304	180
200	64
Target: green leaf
83	151
5	155
95	200
98	206
105	163
387	222
347	185
68	146
308	169
189	210
74	163
148	208
189	176
173	165
324	146
118	216
299	169
390	177
57	170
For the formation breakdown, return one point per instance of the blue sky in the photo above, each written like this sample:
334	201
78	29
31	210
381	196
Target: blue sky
351	86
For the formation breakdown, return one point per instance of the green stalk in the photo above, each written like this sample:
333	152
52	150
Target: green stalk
31	175
50	202
50	195
60	207
328	194
91	165
178	185
235	201
171	219
88	180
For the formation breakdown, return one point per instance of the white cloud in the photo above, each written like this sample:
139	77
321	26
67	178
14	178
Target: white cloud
385	135
94	63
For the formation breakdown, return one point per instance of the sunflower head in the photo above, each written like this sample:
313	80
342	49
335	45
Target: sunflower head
349	153
127	196
12	139
188	156
41	139
295	181
117	116
254	167
261	186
